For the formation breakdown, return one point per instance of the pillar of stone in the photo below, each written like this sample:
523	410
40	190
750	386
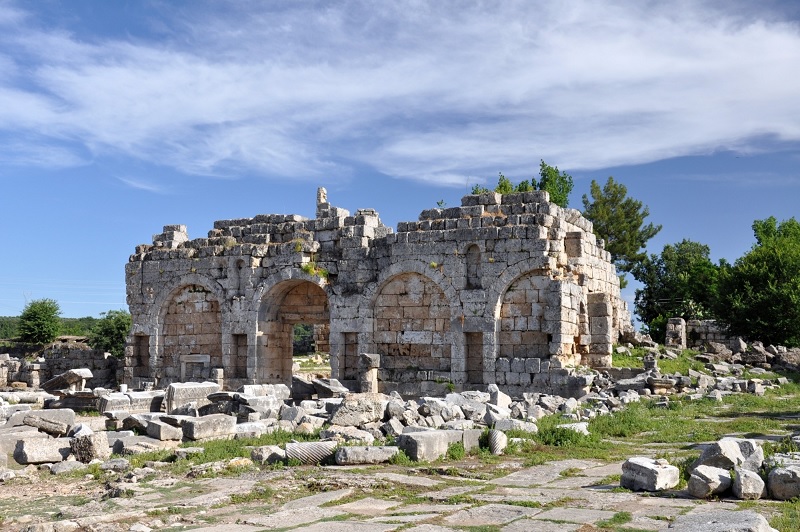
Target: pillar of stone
368	364
676	333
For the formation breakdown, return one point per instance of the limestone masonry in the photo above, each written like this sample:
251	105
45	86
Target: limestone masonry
505	289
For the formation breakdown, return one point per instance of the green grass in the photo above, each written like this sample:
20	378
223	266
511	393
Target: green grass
619	518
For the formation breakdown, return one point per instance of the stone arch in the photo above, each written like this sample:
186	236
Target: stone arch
522	331
191	335
284	300
412	332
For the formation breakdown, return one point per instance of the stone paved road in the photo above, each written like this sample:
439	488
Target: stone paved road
565	496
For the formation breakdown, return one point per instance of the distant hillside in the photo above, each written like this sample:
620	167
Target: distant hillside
69	326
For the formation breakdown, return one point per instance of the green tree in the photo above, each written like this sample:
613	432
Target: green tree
111	331
619	220
504	185
479	189
39	322
524	186
680	282
559	185
759	295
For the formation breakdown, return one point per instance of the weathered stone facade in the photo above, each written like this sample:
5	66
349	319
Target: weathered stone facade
509	289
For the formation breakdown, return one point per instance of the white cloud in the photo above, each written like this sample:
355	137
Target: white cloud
433	91
141	184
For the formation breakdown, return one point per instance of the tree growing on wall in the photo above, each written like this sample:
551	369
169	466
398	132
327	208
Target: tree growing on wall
680	282
619	220
759	295
39	322
111	331
557	184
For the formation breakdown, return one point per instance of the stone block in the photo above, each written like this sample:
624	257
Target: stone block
361	455
424	446
213	426
42	451
646	474
181	393
163	431
90	447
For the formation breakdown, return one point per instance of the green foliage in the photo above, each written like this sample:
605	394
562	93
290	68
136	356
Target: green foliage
478	189
455	451
681	282
9	326
111	331
559	185
759	295
77	326
401	458
504	185
619	220
39	322
524	186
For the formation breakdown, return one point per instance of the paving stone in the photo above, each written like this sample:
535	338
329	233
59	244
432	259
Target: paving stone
316	500
538	475
721	521
368	506
527	525
408	518
411	481
292	518
489	514
349	526
575	515
429	528
452	491
229	527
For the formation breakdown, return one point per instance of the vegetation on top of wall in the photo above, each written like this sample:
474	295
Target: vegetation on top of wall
557	184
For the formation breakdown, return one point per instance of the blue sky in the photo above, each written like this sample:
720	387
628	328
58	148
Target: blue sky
117	118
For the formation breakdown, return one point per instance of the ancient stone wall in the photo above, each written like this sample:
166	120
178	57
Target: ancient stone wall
508	289
59	358
697	333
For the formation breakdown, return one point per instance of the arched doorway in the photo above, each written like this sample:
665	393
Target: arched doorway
191	336
412	332
286	305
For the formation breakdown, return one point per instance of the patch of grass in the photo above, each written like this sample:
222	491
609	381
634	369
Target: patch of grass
619	518
609	480
571	472
456	451
258	493
788	516
401	459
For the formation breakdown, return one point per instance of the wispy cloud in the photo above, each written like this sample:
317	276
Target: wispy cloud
141	184
432	91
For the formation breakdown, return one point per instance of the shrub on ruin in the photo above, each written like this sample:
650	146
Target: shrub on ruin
759	294
39	322
111	331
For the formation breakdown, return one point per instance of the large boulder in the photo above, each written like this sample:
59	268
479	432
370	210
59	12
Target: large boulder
748	485
729	453
646	474
706	481
359	408
783	483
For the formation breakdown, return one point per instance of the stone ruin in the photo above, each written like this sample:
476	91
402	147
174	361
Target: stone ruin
507	289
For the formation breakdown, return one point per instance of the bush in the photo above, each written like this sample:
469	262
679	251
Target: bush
111	332
39	322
